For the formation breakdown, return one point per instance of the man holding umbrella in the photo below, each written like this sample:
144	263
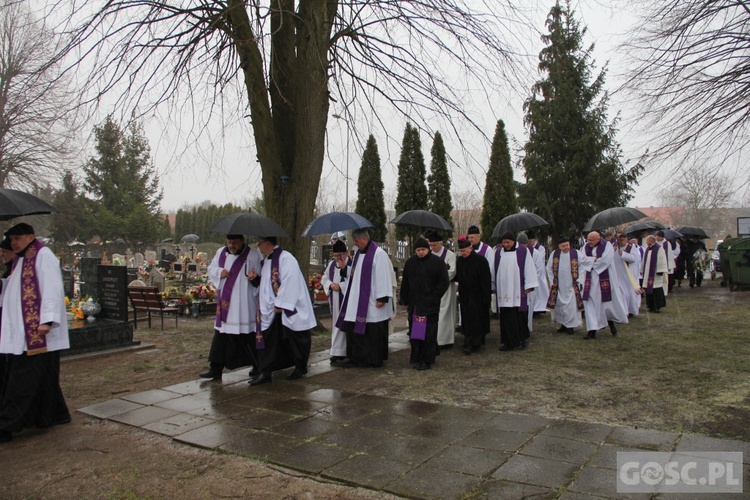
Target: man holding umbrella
237	304
286	314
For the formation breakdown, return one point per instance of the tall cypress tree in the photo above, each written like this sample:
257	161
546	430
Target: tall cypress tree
572	161
411	191
439	182
370	202
499	189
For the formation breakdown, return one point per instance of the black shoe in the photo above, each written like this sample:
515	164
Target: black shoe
296	374
505	348
590	335
613	328
467	351
341	362
424	366
252	372
65	419
445	347
5	436
562	329
261	379
211	375
569	331
525	344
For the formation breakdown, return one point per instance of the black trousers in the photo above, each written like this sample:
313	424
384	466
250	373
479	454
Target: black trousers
231	351
284	348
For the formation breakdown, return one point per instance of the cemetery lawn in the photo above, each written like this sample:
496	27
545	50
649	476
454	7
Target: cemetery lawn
684	370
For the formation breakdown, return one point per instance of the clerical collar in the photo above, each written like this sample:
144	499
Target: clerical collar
476	247
364	250
23	252
515	245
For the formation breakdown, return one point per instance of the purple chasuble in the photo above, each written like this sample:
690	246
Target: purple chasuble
226	291
31	300
364	290
604	283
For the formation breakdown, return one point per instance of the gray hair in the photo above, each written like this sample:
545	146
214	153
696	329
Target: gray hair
361	233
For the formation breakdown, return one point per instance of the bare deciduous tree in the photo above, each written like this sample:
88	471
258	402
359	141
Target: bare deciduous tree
691	74
34	127
293	58
705	195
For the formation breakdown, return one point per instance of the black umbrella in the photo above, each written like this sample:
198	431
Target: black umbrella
422	219
671	234
693	231
645	225
335	222
190	238
612	217
17	203
247	223
518	222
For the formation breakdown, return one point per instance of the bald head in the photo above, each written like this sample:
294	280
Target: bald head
593	238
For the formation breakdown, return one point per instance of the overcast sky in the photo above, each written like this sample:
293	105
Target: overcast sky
224	168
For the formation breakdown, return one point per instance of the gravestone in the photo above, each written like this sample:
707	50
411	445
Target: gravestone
132	274
150	255
112	292
88	278
139	259
157	279
68	283
118	259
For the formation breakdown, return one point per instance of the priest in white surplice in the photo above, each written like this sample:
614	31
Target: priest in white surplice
367	309
236	304
602	302
334	281
627	262
515	278
539	252
654	270
34	330
671	260
564	299
282	336
447	321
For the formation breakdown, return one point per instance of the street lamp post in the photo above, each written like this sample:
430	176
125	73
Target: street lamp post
339	117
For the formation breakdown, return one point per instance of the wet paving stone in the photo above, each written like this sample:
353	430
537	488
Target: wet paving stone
367	470
142	416
439	430
354	438
300	407
305	428
219	411
212	436
329	396
464	416
192	387
110	408
178	424
519	423
223	393
259	419
554	448
580	431
495	439
343	413
473	461
428	482
150	397
536	471
696	442
606	457
407	449
507	489
185	403
646	439
385	421
261	445
418	409
312	457
600	482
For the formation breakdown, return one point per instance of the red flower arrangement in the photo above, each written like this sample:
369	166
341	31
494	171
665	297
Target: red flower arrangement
203	292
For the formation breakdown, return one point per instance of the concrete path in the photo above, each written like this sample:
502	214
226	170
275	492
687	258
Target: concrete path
406	448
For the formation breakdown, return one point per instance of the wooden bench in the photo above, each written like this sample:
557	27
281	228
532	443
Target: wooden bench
149	299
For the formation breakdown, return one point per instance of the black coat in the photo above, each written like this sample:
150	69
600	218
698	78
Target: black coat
423	284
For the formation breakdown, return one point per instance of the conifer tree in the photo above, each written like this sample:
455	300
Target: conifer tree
439	182
499	189
370	201
411	190
572	161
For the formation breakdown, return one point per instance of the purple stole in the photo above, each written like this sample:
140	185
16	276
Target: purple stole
226	292
482	250
521	261
418	326
604	283
552	301
364	290
332	268
444	254
651	267
31	301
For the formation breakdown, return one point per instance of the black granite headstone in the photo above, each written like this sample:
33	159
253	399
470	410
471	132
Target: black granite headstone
132	274
68	288
89	267
113	292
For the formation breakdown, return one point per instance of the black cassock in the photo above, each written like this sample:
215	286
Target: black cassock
474	297
423	284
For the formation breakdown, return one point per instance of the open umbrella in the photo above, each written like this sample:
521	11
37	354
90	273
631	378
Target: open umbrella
17	203
190	238
247	223
76	243
335	222
167	240
422	219
671	234
693	231
612	217
518	222
644	225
